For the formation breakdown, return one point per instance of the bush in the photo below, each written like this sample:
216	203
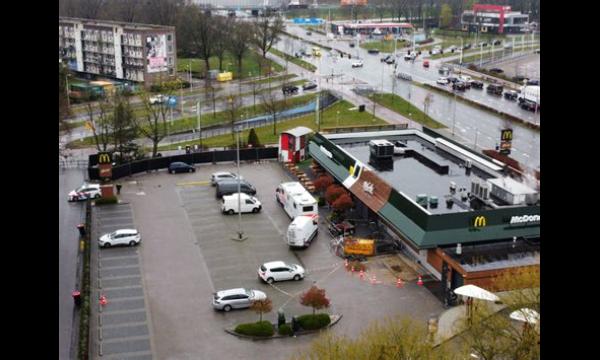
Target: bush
108	200
285	329
261	328
313	322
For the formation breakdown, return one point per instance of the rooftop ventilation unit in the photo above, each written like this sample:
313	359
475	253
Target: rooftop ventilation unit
381	149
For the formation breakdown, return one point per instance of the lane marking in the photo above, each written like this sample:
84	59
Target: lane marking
193	183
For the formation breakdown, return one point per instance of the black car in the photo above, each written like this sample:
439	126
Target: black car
177	167
452	79
309	86
308	33
373	51
289	89
511	95
529	105
495	89
390	61
497	42
386	58
228	187
352	44
496	70
459	85
533	82
476	84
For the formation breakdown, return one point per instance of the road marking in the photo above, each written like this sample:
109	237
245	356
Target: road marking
193	183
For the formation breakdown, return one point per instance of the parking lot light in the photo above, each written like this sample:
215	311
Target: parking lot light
240	232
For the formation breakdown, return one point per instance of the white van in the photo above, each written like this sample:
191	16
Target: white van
249	203
296	200
302	231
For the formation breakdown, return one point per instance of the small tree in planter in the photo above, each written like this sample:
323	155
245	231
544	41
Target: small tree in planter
321	184
342	203
261	307
333	192
253	139
315	298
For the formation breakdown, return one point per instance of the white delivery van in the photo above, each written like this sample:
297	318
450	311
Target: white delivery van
296	200
302	231
248	203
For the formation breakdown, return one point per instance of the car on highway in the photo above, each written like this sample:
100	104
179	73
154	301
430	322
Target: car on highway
508	45
385	58
496	70
129	237
452	79
452	48
289	89
411	56
497	42
404	76
223	175
536	51
444	71
178	167
511	95
84	192
495	89
533	82
280	271
425	63
236	298
483	44
352	44
157	99
357	63
373	51
467	46
459	85
442	81
308	33
529	105
476	84
309	86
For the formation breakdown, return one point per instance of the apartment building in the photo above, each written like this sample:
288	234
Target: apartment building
125	51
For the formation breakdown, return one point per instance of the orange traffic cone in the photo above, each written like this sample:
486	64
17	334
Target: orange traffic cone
361	274
352	270
399	283
373	280
420	281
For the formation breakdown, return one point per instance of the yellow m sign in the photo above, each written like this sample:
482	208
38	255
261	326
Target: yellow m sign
104	158
479	222
506	134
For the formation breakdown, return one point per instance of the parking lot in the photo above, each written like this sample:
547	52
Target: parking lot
188	251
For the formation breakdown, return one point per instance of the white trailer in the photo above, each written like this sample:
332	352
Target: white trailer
296	200
530	93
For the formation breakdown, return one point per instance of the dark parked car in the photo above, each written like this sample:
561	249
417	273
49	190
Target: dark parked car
496	70
511	95
459	85
452	79
533	82
289	89
373	51
228	187
529	105
177	167
309	86
476	84
495	89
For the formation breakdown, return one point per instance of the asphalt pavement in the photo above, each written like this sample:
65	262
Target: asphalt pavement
69	215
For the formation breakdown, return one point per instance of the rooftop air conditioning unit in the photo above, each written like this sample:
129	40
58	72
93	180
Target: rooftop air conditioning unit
381	149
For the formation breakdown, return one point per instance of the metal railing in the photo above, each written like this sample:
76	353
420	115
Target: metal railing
72	164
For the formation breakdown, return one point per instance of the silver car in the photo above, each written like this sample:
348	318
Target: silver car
223	175
236	298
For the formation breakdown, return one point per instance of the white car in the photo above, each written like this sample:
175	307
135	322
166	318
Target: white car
357	63
443	81
236	298
129	237
223	175
280	271
158	99
85	191
247	203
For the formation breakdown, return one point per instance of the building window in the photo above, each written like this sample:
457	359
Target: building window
170	48
170	61
169	37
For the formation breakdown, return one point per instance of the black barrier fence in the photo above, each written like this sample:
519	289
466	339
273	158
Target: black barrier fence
136	167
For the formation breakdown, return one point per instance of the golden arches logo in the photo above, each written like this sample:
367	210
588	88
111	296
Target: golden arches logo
104	158
479	221
506	134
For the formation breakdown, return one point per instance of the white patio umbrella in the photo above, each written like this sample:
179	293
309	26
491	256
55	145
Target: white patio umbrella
476	292
525	315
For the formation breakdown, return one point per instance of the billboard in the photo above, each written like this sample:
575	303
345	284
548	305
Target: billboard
308	21
156	53
353	2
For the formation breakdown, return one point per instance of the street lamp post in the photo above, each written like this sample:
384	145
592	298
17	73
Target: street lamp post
199	125
481	55
240	232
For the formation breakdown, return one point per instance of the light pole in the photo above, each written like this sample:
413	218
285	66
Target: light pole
199	125
481	55
240	232
461	51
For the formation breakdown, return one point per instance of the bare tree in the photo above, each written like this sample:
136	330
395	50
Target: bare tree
233	104
154	121
63	101
123	10
272	104
241	35
198	34
101	129
222	27
267	34
123	124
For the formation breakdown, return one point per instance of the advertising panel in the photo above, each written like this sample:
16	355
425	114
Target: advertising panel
353	2
156	53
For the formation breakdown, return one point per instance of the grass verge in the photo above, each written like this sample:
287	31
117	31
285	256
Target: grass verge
250	65
295	60
403	107
384	46
339	114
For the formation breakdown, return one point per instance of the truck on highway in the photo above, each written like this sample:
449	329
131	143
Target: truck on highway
530	93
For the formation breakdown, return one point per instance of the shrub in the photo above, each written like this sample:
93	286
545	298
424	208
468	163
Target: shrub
342	203
285	329
313	322
315	298
261	328
333	192
107	200
253	139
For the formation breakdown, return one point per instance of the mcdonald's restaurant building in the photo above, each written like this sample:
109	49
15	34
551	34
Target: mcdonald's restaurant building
454	210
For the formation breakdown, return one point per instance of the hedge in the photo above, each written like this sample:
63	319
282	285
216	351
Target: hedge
107	200
261	328
285	329
313	322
